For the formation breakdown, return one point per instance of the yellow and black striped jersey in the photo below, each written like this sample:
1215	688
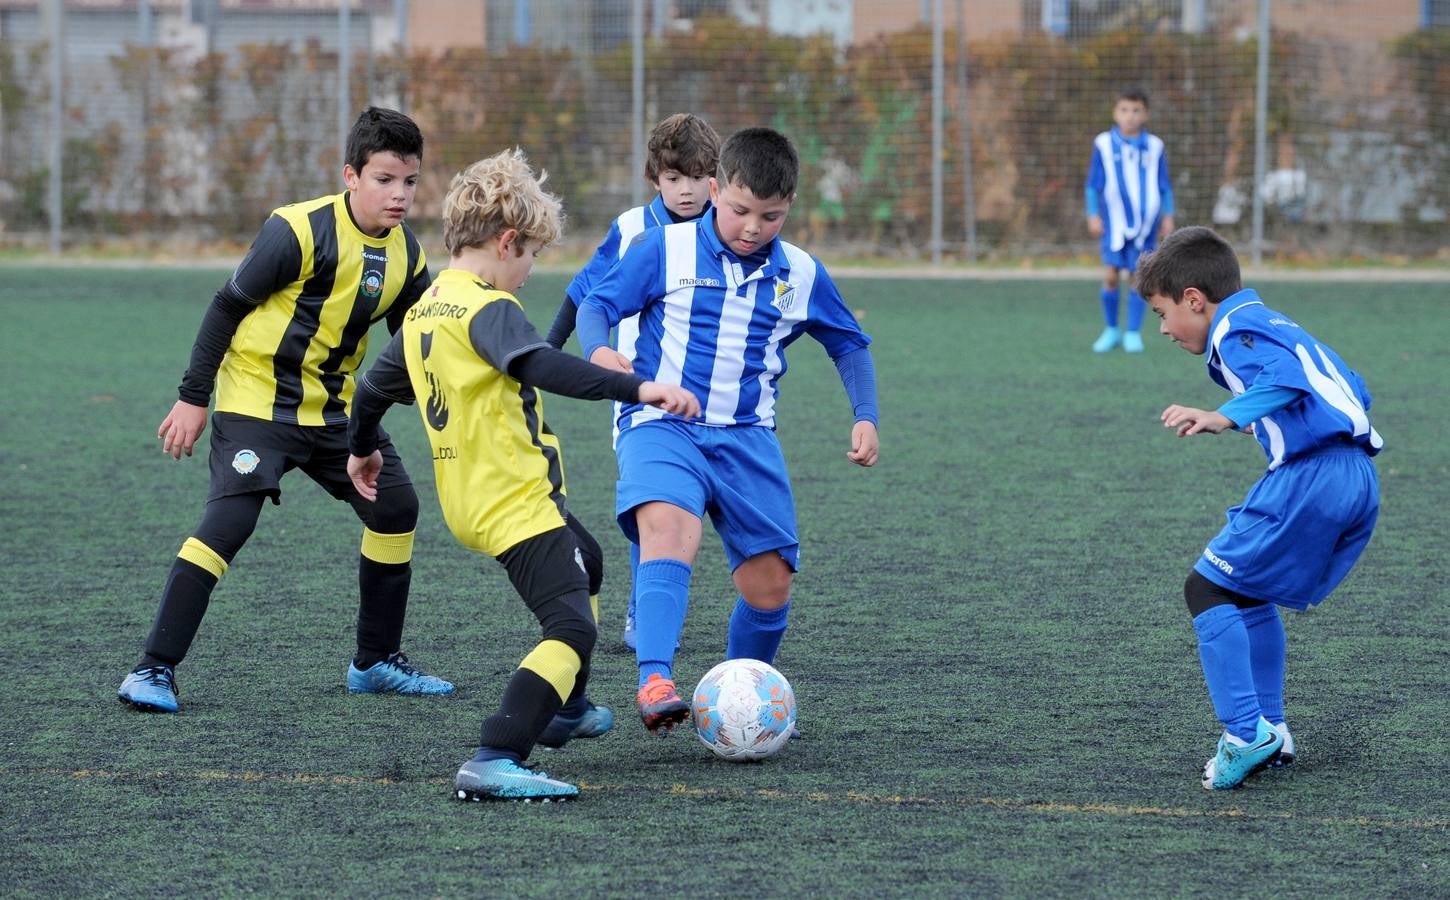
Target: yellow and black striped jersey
316	284
499	472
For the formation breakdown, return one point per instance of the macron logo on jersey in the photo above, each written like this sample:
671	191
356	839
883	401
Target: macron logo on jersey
700	282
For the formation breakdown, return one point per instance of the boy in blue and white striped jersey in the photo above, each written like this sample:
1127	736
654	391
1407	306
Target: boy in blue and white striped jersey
1129	201
719	299
682	154
1306	521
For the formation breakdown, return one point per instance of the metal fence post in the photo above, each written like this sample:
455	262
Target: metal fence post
1261	128
344	83
969	193
57	120
938	113
636	103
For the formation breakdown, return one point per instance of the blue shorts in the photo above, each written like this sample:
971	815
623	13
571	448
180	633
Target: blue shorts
1299	531
1126	258
735	474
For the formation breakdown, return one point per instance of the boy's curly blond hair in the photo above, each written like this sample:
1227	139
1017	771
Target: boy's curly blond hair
496	194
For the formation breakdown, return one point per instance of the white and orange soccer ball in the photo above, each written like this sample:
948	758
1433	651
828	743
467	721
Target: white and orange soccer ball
744	710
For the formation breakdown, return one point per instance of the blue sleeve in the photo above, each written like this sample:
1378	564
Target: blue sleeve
628	286
604	258
1097	178
1165	185
830	321
1258	401
858	374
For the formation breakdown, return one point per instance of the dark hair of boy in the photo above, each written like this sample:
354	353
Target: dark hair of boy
762	160
1191	257
1136	94
685	143
380	130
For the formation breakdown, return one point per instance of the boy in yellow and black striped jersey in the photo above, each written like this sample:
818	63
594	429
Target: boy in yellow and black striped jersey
280	343
467	350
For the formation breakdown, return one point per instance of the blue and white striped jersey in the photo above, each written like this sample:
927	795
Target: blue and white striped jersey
1250	344
709	326
1130	175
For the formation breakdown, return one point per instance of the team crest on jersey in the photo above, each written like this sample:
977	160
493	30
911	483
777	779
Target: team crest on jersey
1247	340
784	296
245	462
372	283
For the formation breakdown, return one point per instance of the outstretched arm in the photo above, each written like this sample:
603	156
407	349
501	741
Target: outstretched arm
858	375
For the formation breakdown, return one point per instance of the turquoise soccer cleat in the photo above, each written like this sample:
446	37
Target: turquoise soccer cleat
594	722
1234	762
504	779
1132	342
1108	340
394	675
150	689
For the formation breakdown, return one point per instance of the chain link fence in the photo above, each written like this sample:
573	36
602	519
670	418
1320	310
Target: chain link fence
928	130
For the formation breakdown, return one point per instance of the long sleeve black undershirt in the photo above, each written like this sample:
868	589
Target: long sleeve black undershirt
542	367
218	327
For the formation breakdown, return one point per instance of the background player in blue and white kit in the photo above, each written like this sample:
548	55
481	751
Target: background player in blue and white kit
683	153
1130	206
1306	521
719	300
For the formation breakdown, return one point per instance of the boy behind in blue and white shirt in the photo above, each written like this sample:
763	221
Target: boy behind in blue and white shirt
1129	199
1306	521
683	153
718	301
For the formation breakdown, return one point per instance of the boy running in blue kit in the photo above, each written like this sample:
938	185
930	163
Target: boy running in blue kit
1130	206
1306	521
683	152
718	302
467	350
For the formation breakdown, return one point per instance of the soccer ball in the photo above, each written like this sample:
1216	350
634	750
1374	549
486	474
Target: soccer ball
744	710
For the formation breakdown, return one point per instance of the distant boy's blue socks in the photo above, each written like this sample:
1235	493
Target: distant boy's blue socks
1136	306
659	616
1266	652
755	633
1110	307
1223	648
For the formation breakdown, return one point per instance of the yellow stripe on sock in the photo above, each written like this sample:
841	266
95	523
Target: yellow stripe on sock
387	548
594	607
203	557
555	662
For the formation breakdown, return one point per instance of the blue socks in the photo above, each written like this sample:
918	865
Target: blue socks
1110	307
756	633
1266	652
1223	649
1136	307
662	594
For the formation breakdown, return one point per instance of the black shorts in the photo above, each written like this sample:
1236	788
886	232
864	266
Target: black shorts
546	566
251	455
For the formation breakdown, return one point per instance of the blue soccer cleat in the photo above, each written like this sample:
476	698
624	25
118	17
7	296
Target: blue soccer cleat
1234	762
1132	342
629	635
504	779
150	689
592	723
630	639
1108	340
394	676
